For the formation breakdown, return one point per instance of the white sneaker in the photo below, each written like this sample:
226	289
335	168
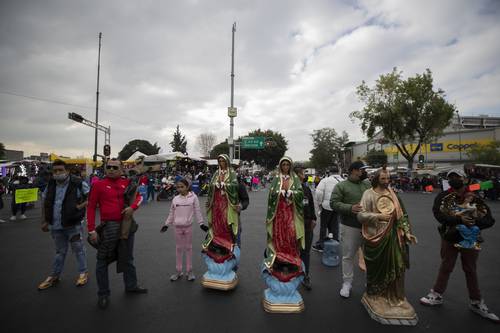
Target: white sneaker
432	298
176	276
2	221
23	217
345	292
13	218
481	309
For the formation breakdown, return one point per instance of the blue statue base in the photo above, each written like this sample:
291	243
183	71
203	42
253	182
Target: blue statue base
282	297
221	276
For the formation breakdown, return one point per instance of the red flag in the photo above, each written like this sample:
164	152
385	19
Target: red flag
474	187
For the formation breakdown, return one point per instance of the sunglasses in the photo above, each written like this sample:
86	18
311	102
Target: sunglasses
112	167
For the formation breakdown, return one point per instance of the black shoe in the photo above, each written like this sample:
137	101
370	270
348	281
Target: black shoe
307	283
317	248
137	290
103	302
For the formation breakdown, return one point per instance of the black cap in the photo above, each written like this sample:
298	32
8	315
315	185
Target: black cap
356	165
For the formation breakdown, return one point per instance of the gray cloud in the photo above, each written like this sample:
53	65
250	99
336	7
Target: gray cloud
167	62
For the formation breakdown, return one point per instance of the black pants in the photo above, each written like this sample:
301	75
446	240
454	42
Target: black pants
111	234
305	254
328	224
15	207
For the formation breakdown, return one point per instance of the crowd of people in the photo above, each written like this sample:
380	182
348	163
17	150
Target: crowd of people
364	214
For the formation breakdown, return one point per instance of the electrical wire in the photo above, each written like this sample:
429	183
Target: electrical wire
69	104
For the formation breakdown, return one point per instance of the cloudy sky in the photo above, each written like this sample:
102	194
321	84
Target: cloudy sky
165	63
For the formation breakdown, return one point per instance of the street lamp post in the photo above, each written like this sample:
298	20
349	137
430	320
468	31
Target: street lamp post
106	130
459	135
97	101
232	110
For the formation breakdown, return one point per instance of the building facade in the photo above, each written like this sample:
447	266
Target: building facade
462	135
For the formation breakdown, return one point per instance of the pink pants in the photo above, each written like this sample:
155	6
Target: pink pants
183	244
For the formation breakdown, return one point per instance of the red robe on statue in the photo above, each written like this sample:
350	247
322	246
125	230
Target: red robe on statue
284	238
222	232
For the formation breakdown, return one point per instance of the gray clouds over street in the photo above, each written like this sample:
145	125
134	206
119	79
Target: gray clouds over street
168	62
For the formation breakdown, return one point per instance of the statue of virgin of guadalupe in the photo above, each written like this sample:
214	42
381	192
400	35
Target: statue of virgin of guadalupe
283	269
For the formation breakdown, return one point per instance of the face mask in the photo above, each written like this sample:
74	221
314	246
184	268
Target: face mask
60	177
456	184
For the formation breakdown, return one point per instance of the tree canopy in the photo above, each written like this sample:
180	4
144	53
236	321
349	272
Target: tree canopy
221	148
2	151
376	158
179	142
327	147
205	142
406	111
487	153
143	146
274	149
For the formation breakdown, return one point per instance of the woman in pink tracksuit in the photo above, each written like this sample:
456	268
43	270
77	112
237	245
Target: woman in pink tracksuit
184	206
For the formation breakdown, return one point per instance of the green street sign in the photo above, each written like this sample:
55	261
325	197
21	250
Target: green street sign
253	142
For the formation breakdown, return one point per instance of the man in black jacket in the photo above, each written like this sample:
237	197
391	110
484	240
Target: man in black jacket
309	224
64	202
449	252
244	202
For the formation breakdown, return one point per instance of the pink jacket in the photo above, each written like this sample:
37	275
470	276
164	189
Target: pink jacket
182	210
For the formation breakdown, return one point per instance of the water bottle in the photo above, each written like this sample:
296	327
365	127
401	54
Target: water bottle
331	252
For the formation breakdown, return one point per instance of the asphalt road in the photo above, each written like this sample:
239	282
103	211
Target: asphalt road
26	256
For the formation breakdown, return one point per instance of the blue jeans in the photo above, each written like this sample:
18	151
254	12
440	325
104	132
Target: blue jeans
129	276
64	237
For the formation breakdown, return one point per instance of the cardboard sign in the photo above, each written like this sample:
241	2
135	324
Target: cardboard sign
26	195
474	187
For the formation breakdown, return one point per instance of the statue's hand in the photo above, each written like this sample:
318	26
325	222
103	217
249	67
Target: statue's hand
411	238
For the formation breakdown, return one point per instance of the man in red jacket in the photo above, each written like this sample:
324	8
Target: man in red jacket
108	194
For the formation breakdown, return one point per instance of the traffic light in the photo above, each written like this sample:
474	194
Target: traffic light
107	150
421	159
75	116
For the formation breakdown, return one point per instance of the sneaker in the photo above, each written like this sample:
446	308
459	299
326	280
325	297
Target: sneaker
2	221
23	217
307	283
13	218
82	279
317	248
433	298
49	282
176	276
481	309
345	292
190	276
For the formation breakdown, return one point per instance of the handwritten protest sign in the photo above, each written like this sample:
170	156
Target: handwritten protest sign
26	195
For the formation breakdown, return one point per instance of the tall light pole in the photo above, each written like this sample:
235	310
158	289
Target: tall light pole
97	101
459	135
231	111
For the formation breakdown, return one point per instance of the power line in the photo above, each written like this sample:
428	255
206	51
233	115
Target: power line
69	104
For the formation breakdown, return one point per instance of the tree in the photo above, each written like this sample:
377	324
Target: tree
2	151
179	142
221	148
205	143
143	146
406	111
327	147
376	158
486	154
275	148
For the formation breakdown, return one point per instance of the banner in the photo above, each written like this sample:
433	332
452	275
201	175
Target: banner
26	195
487	185
474	187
